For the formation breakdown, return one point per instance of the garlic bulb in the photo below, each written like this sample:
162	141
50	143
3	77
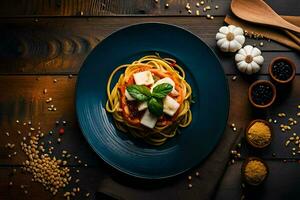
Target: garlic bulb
249	59
230	38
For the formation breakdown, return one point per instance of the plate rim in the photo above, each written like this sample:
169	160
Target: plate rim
119	168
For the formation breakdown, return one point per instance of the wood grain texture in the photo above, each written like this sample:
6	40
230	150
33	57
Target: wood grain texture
60	45
88	178
20	8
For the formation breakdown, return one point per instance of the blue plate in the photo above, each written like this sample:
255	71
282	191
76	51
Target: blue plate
210	110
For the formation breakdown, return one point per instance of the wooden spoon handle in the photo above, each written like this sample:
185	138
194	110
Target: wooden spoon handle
293	36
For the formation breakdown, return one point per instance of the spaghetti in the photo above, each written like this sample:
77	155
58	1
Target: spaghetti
128	117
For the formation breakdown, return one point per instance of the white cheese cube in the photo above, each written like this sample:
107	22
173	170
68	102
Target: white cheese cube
170	106
142	106
148	119
143	78
128	96
166	80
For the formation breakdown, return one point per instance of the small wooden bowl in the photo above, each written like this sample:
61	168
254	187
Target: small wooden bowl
288	61
257	83
247	160
247	130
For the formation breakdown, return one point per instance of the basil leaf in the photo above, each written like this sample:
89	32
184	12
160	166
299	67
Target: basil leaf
162	90
139	92
155	106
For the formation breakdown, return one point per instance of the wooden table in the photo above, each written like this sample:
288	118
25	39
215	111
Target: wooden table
44	41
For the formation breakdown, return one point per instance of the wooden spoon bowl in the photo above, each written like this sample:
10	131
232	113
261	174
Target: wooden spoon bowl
257	11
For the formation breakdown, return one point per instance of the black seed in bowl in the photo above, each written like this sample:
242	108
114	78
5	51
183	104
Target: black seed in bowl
282	70
262	94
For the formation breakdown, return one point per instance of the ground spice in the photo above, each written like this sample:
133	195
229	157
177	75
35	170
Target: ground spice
259	134
255	172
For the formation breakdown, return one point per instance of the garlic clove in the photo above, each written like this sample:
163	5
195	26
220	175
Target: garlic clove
234	46
258	59
220	36
249	69
238	31
255	67
221	41
248	49
242	66
231	28
224	30
242	51
239	57
240	39
255	52
225	46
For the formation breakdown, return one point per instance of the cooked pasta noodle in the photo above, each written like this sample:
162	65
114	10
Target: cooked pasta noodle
128	120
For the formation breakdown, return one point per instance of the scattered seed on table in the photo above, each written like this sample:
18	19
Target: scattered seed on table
17	121
189	11
77	180
275	121
54	80
216	7
234	129
198	4
10	183
197	12
211	17
45	91
202	2
58	140
50	132
189	178
166	5
87	194
234	78
274	154
156	1
64	122
197	174
187	6
70	76
190	186
7	134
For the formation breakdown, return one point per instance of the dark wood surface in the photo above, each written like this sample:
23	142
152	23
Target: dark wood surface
46	40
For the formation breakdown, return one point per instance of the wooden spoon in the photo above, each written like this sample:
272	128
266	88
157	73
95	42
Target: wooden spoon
258	11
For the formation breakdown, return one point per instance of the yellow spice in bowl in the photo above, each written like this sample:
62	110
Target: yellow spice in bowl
255	172
259	134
